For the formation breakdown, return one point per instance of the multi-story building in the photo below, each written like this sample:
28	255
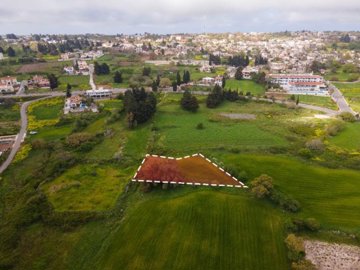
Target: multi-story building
302	84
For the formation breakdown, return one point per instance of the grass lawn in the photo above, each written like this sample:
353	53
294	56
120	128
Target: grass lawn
349	137
351	91
87	187
342	76
78	82
46	112
178	133
204	229
9	120
318	101
332	196
245	86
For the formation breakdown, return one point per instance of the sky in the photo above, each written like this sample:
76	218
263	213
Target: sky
176	16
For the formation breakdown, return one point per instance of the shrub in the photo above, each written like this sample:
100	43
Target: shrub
295	246
305	152
284	201
303	265
312	224
315	145
75	140
200	126
347	117
189	102
262	186
334	128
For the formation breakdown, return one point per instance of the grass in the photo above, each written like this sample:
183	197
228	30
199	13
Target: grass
78	82
203	229
87	187
9	120
177	128
46	112
351	91
342	76
245	86
318	101
332	196
346	138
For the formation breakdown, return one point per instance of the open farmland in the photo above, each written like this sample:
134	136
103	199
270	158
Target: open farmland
196	228
351	91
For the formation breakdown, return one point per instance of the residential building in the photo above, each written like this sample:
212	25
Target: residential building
39	81
99	93
300	83
248	71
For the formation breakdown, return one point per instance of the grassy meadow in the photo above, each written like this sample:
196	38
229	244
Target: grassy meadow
177	227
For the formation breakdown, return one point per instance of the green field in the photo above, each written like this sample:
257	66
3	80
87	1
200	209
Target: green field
178	133
330	195
351	91
87	187
9	119
245	86
318	101
203	229
78	82
348	137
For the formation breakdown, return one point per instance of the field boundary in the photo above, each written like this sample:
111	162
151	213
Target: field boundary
241	184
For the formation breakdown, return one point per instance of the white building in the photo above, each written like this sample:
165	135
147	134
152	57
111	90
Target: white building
98	93
303	84
248	71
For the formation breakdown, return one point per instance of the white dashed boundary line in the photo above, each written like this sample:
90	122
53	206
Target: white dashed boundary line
241	184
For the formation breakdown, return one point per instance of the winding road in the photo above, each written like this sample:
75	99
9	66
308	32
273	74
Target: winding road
21	136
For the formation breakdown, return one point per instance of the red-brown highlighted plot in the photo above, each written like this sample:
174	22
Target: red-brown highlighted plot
190	170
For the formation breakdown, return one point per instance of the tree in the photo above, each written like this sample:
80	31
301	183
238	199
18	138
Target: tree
158	79
297	100
189	102
154	86
1	50
174	86
139	106
68	90
11	52
238	73
165	82
296	249
178	78
53	81
186	76
215	98
101	69
262	186
223	83
118	77
346	38
146	71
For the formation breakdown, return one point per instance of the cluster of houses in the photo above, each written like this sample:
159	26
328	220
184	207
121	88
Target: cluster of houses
38	81
91	55
79	67
83	103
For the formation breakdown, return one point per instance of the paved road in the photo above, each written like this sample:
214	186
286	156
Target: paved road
21	135
21	88
341	102
91	72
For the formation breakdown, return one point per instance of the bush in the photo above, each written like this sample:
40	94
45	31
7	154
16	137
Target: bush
305	152
312	224
298	225
315	145
295	246
303	265
347	117
285	202
262	186
200	126
189	102
334	128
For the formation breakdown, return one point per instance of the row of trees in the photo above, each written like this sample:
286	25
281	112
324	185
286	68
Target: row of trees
139	106
10	51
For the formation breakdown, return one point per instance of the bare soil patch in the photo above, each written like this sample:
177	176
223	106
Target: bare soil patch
194	169
328	256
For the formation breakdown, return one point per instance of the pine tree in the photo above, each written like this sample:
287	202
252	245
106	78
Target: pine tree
238	74
118	77
68	90
189	102
178	78
223	82
53	81
11	52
